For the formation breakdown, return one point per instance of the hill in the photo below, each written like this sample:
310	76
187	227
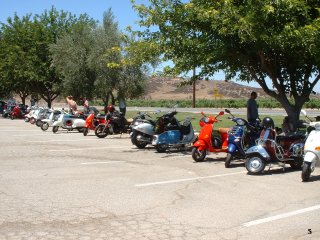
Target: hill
170	88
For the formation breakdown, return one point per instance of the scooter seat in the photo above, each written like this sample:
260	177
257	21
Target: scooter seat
223	130
291	137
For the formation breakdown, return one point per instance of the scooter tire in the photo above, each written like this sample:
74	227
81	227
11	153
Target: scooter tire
32	120
296	164
55	129
255	164
198	155
139	144
306	172
100	132
80	130
85	131
44	126
12	117
26	119
228	160
38	123
161	148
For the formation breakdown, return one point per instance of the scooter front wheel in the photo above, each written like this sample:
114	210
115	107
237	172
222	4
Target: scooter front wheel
255	164
306	172
85	131
38	123
55	129
229	158
198	155
44	126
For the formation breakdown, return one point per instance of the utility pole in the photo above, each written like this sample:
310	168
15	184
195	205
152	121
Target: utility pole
194	88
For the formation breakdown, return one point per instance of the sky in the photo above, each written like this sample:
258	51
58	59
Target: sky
122	10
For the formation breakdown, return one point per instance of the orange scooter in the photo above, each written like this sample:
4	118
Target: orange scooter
207	141
92	121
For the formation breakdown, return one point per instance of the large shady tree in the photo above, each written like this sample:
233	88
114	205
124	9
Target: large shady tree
251	40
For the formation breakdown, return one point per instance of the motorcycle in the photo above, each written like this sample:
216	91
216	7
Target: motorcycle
175	136
311	149
207	140
7	112
115	124
48	122
69	122
275	148
240	137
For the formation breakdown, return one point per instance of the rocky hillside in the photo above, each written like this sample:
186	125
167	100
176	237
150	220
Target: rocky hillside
166	88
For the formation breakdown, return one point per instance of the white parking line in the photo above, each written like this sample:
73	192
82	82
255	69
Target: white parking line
91	163
57	140
186	179
78	149
280	216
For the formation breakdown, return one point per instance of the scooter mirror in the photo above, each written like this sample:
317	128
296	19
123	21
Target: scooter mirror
227	110
221	113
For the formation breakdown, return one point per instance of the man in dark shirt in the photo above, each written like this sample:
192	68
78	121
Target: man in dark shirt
252	108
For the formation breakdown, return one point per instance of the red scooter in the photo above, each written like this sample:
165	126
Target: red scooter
207	141
18	111
92	122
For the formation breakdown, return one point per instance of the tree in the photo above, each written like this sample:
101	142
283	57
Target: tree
25	65
17	58
252	40
70	58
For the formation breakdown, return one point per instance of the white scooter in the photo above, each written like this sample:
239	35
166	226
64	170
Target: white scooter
48	122
311	150
69	122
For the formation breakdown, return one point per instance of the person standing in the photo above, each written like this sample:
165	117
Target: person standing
252	108
122	106
85	106
252	116
72	104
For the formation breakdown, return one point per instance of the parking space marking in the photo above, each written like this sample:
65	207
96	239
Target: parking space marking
186	179
92	163
280	216
59	140
78	149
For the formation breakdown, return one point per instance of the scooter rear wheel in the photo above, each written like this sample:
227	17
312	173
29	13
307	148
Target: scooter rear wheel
38	122
306	172
255	164
101	132
198	155
139	144
161	148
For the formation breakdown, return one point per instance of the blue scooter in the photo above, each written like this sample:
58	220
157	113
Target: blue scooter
240	137
176	136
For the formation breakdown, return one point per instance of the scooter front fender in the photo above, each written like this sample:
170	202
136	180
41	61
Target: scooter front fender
311	157
200	145
258	150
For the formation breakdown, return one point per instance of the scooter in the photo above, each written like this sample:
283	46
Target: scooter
274	148
207	140
19	111
69	122
311	149
240	137
48	122
181	136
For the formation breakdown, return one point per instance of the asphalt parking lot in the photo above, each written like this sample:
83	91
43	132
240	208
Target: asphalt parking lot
67	186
